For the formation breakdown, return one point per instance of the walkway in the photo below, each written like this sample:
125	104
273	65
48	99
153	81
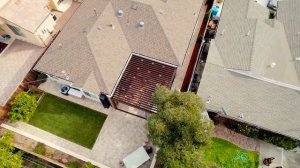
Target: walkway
238	139
286	159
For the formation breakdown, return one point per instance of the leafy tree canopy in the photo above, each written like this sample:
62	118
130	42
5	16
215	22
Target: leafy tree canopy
178	128
8	158
23	107
178	121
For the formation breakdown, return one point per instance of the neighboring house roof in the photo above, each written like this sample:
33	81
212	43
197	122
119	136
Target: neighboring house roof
28	14
15	63
102	44
288	13
238	78
261	103
138	82
248	42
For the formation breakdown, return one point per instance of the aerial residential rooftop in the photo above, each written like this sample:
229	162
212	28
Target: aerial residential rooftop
95	45
22	48
17	11
15	63
252	71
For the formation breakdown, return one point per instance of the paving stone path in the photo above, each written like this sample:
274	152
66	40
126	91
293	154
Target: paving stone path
238	139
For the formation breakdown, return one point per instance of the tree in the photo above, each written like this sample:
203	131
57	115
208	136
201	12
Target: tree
8	158
23	107
178	128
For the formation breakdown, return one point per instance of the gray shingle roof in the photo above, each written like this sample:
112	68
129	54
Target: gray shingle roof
102	44
271	99
288	13
247	41
261	103
236	35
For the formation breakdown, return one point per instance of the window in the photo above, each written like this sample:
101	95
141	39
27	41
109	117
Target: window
16	30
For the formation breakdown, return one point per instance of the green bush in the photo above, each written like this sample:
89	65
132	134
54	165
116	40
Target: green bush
40	149
89	165
279	140
23	107
273	138
35	165
73	165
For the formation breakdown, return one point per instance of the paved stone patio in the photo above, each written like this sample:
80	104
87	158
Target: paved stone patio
120	135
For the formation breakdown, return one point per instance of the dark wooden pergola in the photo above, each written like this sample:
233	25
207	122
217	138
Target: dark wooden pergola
137	84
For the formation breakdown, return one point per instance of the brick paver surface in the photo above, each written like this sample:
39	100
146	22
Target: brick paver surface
240	140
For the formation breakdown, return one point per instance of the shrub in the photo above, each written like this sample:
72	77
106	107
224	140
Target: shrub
279	140
89	165
73	165
23	107
273	138
40	149
36	165
49	153
9	156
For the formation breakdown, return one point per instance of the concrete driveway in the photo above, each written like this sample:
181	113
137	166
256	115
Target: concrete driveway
286	159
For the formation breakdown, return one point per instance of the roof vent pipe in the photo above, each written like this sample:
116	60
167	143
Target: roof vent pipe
95	11
112	26
248	33
223	31
120	13
273	64
141	25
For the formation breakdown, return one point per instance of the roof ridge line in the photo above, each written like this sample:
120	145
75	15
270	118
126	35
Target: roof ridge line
271	81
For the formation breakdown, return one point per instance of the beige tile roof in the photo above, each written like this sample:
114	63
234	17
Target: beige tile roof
102	44
28	14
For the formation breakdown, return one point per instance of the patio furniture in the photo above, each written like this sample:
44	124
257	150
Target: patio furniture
136	158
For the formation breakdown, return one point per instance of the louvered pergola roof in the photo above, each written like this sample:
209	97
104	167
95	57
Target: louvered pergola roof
137	84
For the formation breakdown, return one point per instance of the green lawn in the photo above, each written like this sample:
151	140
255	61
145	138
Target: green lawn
228	155
68	120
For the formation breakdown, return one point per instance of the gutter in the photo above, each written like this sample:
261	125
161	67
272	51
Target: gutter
224	115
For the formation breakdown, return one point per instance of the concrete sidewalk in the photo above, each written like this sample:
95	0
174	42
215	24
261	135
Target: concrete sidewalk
286	159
